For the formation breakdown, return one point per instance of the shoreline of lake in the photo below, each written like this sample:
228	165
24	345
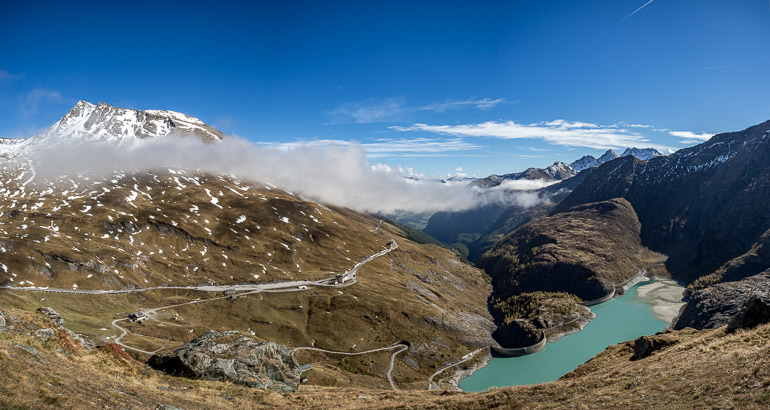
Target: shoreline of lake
651	305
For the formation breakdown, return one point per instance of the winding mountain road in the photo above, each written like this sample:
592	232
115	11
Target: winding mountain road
251	288
436	386
400	346
124	332
292	286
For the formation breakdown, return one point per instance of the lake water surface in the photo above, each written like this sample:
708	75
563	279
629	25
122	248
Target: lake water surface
644	309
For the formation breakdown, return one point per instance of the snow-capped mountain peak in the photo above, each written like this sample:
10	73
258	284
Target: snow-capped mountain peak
589	161
103	122
560	170
585	162
641	153
607	156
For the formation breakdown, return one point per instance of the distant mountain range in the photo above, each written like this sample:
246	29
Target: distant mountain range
478	229
699	215
559	170
588	161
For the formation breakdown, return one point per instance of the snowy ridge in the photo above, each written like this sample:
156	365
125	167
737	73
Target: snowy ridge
118	212
585	162
10	145
87	122
589	161
103	122
560	170
607	156
707	156
643	154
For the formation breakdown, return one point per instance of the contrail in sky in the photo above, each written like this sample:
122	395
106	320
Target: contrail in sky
635	11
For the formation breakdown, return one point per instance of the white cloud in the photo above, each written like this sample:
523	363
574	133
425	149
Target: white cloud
481	104
31	103
396	109
416	147
6	75
524	184
625	124
558	132
384	168
320	143
336	174
690	137
389	147
369	111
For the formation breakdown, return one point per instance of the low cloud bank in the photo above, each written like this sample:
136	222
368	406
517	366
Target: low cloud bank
523	185
339	175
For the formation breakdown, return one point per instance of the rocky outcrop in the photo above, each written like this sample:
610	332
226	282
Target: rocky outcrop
646	345
53	315
717	305
233	357
517	333
59	322
44	334
523	318
756	311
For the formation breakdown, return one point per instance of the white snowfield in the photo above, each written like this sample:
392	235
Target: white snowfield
103	122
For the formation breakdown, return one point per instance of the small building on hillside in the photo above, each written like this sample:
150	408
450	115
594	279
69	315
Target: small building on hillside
138	317
340	279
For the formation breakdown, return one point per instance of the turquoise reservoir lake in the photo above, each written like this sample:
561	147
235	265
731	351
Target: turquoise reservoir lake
617	320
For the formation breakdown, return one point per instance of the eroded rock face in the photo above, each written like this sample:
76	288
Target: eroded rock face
646	345
755	312
717	305
44	334
233	357
53	315
59	322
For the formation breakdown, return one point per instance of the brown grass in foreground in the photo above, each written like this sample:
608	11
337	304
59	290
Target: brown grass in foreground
701	369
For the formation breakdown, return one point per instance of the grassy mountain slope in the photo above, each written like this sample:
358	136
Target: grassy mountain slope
695	369
173	228
585	251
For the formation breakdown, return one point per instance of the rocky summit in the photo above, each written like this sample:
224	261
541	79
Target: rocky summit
236	358
87	122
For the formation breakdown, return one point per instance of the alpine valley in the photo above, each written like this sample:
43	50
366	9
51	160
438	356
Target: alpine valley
180	286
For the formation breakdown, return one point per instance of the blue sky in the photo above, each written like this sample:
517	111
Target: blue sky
486	87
